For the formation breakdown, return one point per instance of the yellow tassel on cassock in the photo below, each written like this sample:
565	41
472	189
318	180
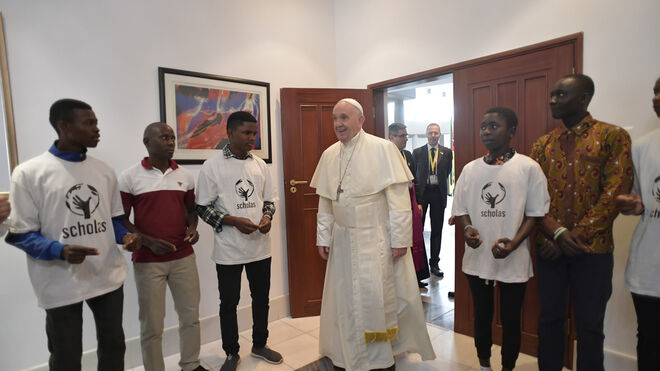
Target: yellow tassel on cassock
381	336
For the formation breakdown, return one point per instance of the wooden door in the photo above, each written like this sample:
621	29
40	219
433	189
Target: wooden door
521	82
307	130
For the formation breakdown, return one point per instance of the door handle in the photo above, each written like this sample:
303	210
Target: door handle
294	182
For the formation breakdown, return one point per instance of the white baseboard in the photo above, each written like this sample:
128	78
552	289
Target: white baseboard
210	332
619	361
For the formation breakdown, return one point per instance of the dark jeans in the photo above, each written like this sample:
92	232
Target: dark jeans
229	286
588	278
648	332
511	301
64	331
437	201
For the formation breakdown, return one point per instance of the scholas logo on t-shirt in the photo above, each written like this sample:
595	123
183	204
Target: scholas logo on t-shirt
83	200
492	195
655	191
244	189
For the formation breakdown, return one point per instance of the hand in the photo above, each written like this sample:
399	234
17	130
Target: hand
502	248
132	241
192	236
324	252
244	225
421	209
571	244
5	208
264	224
630	204
451	220
75	254
398	252
472	237
159	247
549	250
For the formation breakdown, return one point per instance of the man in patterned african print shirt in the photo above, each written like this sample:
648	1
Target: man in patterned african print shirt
587	163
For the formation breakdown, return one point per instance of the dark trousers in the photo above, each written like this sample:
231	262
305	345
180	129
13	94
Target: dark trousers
648	332
64	331
511	301
437	201
588	278
229	286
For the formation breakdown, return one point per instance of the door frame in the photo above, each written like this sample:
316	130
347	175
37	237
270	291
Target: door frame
380	107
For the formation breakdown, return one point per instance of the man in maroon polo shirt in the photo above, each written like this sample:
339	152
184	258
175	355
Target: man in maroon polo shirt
162	197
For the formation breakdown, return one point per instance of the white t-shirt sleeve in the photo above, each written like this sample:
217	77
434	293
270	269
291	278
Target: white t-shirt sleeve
24	210
538	198
458	206
637	189
117	206
124	182
206	190
270	194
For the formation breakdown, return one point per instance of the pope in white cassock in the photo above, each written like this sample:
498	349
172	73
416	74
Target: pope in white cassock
371	308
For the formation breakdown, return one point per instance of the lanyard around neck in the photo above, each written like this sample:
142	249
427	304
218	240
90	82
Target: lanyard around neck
433	158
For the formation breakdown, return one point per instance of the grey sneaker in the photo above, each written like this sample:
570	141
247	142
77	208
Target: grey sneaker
231	363
267	355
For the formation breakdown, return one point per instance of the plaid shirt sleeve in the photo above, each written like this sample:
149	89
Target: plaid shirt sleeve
269	209
211	216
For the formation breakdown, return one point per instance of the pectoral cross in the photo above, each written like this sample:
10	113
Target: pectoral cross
339	191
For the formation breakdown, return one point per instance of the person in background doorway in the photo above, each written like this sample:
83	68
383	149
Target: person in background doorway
643	270
236	197
587	163
371	307
433	164
399	136
162	197
499	198
67	218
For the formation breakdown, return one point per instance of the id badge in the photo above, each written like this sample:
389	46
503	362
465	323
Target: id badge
433	179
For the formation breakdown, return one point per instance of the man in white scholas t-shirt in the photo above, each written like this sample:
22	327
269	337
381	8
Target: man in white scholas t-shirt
498	198
643	270
235	196
66	216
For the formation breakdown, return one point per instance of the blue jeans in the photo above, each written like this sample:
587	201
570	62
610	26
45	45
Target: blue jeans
588	279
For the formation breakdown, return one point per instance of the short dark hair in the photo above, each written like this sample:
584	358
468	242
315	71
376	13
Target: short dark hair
63	110
507	114
237	119
396	127
585	82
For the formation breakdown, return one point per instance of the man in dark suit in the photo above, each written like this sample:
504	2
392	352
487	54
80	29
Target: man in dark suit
433	165
399	136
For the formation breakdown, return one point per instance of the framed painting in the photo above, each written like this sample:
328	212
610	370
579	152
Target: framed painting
197	105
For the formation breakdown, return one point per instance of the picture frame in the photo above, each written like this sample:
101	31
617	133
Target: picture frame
196	105
8	146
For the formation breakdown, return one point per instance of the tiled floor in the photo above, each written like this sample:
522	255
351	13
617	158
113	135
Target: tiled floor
438	307
297	340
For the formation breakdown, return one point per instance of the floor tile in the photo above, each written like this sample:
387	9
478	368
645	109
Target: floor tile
304	324
278	331
300	350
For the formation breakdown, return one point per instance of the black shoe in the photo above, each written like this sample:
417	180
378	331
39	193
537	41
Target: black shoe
437	272
267	355
422	284
450	294
231	363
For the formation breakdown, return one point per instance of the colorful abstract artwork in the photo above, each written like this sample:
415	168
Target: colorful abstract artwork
197	106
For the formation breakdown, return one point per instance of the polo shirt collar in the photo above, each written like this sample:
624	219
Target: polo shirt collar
147	165
68	156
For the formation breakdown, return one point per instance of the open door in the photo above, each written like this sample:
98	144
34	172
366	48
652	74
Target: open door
307	130
520	80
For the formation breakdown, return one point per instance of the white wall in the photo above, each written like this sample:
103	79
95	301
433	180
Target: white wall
380	40
107	53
